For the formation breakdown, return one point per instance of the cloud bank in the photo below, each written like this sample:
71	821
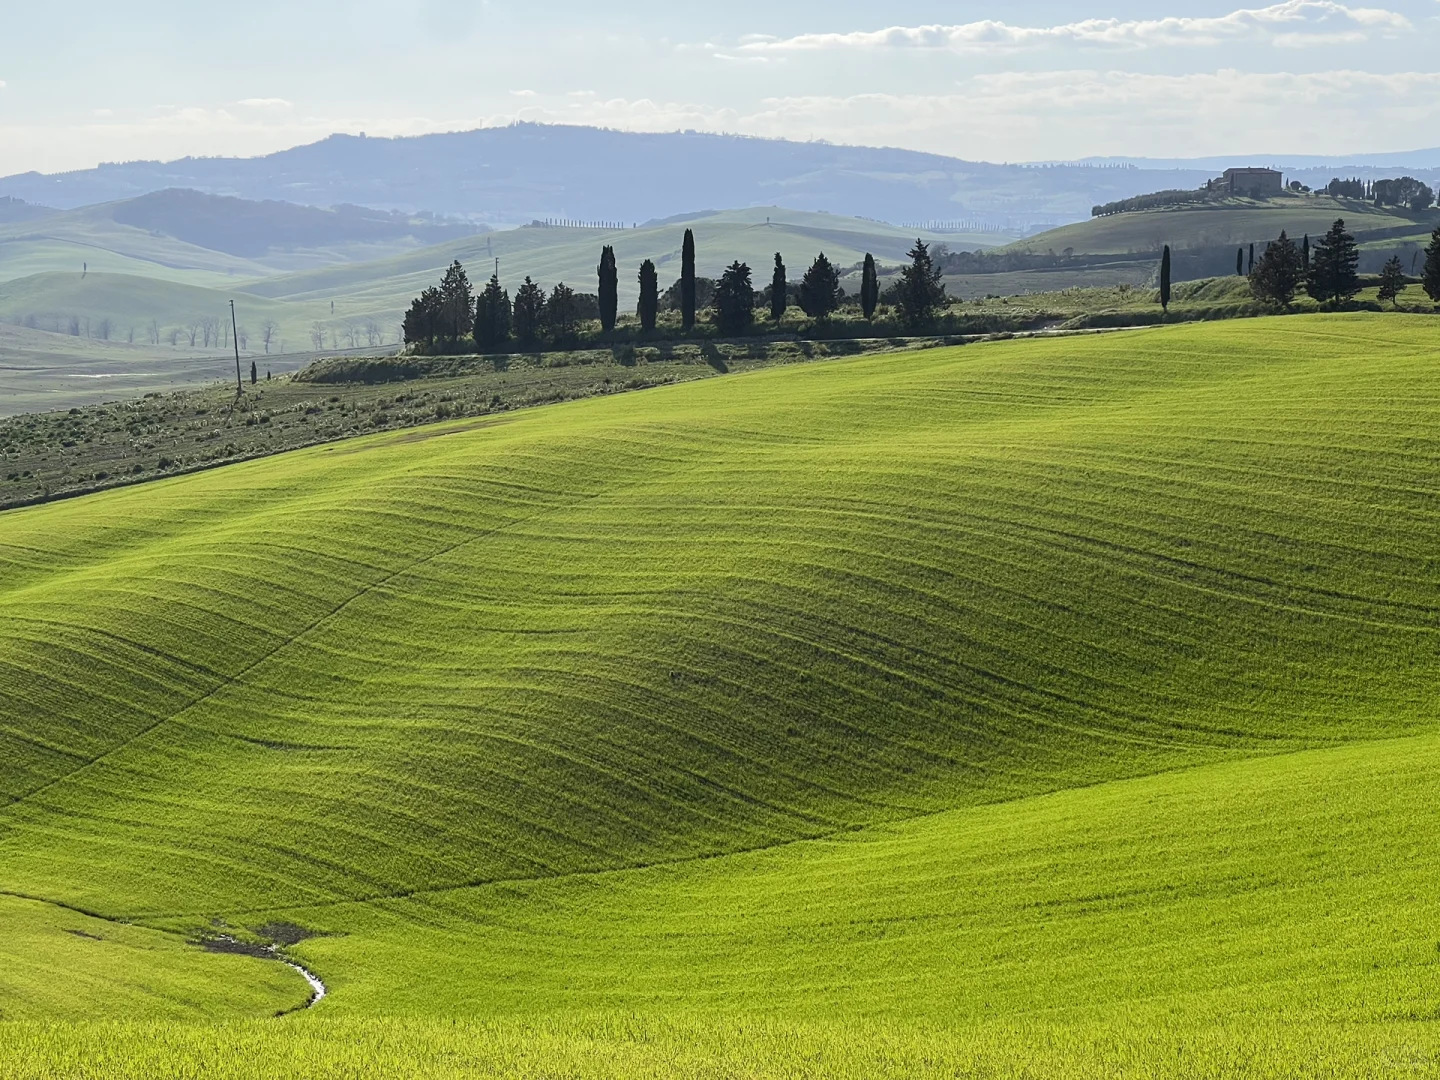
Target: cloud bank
1292	23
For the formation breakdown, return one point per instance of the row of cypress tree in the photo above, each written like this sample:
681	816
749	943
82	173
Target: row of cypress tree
449	313
1329	273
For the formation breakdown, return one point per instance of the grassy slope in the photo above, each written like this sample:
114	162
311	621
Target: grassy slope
132	302
1243	222
63	241
571	255
742	612
62	965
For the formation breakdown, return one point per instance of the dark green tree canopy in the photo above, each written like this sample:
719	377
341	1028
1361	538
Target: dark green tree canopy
734	300
1279	272
1334	267
649	304
820	288
1430	276
422	321
869	287
779	289
562	312
457	314
609	294
1392	281
492	316
529	313
920	293
688	298
1165	278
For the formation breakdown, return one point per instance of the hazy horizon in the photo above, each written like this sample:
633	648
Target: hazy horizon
1034	81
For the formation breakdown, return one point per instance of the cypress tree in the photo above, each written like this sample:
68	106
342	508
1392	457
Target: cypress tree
649	296
609	289
1279	272
492	315
922	291
687	282
254	374
1240	262
529	313
1165	279
778	289
869	288
734	300
457	316
1333	276
1392	282
1252	258
820	288
1430	276
1305	252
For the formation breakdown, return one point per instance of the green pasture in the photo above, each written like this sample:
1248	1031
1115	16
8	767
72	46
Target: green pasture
65	241
124	303
1233	222
1060	707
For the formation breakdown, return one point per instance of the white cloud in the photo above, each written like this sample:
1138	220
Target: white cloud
104	113
1018	116
1007	116
266	103
1291	23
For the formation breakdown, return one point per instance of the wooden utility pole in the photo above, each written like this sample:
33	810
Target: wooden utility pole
235	337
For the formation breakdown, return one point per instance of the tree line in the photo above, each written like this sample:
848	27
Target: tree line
452	315
1329	271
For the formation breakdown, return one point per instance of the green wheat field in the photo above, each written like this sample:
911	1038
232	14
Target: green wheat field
1050	708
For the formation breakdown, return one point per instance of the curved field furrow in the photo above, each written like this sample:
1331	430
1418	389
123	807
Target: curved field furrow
907	595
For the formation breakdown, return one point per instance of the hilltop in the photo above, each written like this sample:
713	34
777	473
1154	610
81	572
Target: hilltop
1035	706
510	175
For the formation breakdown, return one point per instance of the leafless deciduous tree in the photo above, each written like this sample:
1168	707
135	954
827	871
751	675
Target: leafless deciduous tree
155	333
317	336
243	336
267	333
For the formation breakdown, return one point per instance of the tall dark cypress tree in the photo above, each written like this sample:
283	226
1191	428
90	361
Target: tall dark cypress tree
609	288
687	282
778	290
649	296
1165	279
869	288
1305	253
1252	258
1240	262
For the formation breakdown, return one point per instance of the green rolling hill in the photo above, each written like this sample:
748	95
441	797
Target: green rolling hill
1054	707
551	255
1226	224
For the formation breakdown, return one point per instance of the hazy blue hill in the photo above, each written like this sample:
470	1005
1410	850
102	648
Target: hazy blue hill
251	229
19	210
513	174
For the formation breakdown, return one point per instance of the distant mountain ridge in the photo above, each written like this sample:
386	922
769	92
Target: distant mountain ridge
525	171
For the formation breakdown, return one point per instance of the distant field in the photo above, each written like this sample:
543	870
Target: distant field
1033	708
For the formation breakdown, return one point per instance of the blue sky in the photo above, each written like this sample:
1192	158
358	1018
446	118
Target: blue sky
85	81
